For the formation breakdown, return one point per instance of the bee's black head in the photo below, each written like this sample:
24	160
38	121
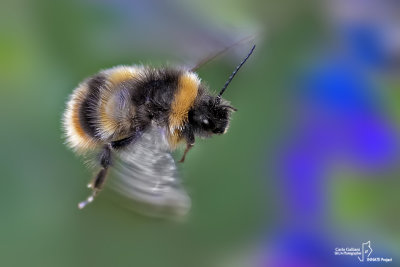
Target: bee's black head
210	116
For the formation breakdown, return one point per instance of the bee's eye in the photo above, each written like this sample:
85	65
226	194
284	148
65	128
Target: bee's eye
205	122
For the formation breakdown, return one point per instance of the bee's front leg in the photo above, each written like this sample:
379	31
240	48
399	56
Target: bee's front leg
188	135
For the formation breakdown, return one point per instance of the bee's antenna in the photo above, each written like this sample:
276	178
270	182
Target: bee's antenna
234	73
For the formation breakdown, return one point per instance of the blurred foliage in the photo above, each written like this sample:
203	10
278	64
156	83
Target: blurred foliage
48	47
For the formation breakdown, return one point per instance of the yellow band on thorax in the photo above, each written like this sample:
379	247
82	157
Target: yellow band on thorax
185	96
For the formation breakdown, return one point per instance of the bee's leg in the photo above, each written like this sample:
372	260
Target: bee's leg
98	181
188	147
189	138
105	161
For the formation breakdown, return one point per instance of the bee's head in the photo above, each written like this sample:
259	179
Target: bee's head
211	116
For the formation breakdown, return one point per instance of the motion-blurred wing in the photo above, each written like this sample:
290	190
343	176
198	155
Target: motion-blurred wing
146	175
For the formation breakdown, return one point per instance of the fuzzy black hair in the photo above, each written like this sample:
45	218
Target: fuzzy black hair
209	115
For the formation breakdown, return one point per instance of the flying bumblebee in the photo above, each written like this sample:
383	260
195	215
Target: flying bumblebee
133	117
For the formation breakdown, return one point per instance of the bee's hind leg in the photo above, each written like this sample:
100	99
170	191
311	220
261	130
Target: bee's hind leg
105	162
98	181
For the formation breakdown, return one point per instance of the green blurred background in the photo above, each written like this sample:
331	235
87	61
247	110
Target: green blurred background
48	47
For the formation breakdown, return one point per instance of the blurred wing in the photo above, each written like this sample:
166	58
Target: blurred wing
146	175
221	51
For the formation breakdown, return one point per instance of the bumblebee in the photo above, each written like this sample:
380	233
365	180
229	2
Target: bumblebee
131	109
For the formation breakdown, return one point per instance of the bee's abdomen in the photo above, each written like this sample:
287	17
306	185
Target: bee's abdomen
88	110
99	110
77	132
